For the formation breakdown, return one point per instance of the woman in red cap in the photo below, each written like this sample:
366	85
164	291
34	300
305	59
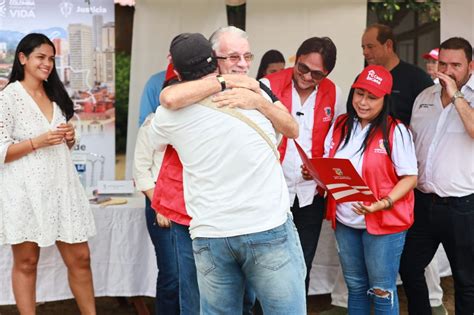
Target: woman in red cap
370	237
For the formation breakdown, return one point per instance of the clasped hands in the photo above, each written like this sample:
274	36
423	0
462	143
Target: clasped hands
244	93
64	133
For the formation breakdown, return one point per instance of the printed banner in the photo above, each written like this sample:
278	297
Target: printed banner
84	37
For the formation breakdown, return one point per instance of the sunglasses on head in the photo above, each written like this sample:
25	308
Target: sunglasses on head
315	74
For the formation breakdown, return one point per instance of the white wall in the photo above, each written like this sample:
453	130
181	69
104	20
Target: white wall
284	25
155	24
457	19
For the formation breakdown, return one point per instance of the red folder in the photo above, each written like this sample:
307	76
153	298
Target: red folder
338	177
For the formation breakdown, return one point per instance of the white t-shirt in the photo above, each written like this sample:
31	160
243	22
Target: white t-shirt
403	157
444	149
233	182
304	115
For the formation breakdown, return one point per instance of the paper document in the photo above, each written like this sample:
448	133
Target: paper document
338	177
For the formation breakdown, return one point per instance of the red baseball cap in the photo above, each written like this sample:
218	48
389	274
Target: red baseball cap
433	54
375	79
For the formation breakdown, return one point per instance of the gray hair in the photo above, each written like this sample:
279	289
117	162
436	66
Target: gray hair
215	37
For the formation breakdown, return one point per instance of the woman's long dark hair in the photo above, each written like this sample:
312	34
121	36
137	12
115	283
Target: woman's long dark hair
271	56
384	121
53	87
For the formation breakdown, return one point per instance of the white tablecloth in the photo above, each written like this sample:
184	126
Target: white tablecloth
124	264
122	257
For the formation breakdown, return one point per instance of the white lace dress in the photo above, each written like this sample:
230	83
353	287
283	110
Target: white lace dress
41	197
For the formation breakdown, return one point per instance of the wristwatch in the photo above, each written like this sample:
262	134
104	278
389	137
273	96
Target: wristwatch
222	82
457	94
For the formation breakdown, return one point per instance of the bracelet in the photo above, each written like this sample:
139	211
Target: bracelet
221	81
390	202
32	146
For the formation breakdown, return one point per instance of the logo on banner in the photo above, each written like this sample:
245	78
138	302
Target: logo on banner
91	9
66	8
20	8
3	8
327	112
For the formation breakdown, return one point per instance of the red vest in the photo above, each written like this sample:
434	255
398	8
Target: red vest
380	175
281	85
168	198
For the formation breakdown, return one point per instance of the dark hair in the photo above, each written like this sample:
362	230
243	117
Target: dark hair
271	56
323	46
383	122
53	86
458	43
384	33
199	73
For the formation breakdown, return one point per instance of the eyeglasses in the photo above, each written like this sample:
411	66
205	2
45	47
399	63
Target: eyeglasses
315	74
236	58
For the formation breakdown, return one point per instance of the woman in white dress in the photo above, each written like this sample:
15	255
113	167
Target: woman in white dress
42	201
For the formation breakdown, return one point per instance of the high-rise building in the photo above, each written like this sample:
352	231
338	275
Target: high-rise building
108	36
97	23
81	56
57	45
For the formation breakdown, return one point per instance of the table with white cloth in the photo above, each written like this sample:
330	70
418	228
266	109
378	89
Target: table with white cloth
124	264
122	258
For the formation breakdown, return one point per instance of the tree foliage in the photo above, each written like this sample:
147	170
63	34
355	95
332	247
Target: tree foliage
122	81
388	9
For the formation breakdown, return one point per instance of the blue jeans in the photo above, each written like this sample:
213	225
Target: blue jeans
370	263
188	286
271	262
167	291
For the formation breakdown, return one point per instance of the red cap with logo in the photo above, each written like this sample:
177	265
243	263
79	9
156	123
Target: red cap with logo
433	54
375	79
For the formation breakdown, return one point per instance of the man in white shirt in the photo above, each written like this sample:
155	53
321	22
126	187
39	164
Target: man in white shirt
443	129
314	101
236	195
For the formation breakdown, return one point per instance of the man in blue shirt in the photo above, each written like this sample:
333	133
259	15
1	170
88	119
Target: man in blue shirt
151	95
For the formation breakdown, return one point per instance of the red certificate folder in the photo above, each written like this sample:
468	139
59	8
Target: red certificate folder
338	177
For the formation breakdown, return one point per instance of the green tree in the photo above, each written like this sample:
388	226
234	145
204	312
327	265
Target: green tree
389	11
122	81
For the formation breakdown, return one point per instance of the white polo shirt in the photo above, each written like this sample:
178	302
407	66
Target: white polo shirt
233	182
444	150
297	186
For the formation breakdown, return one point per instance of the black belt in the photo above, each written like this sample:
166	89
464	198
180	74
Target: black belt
446	200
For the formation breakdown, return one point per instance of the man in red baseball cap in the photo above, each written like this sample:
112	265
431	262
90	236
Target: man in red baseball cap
431	63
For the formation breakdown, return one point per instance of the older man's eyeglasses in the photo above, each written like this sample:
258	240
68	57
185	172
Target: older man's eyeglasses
236	58
315	74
